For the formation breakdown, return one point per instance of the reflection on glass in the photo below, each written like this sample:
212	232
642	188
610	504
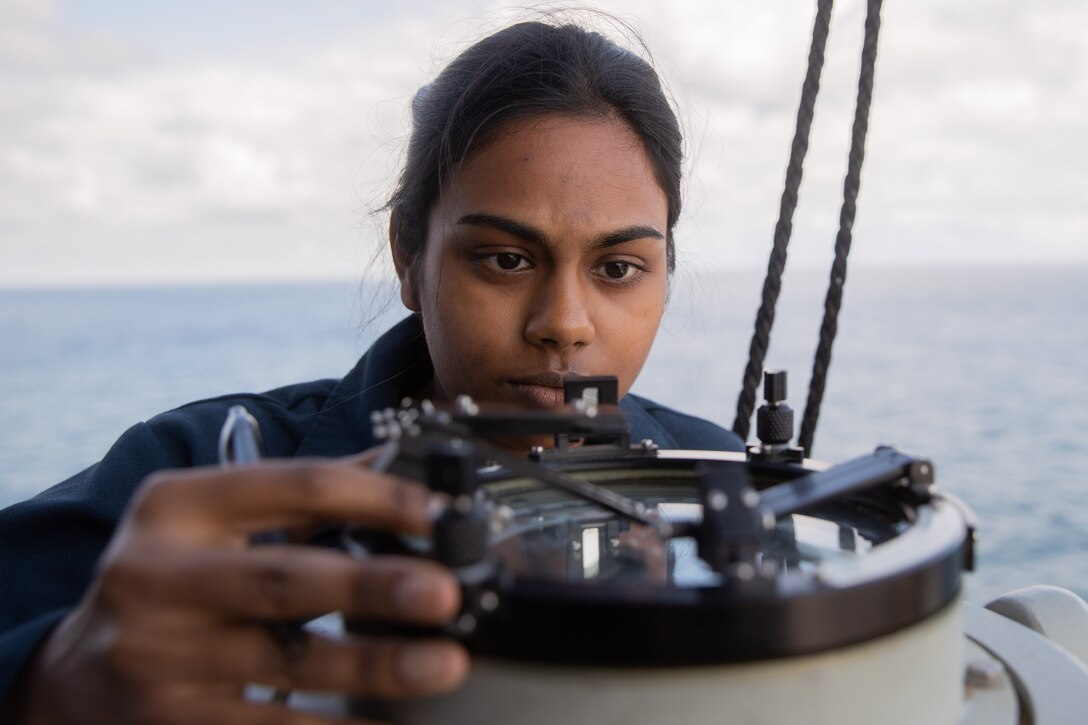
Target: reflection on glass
557	536
591	552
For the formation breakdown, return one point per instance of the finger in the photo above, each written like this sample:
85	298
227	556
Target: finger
188	710
280	494
367	457
373	667
354	665
294	582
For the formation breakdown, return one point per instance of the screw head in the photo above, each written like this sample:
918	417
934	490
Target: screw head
717	500
466	623
489	601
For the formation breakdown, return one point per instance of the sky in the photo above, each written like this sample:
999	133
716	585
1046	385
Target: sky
146	143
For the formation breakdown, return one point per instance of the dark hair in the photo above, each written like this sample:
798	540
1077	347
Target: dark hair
530	69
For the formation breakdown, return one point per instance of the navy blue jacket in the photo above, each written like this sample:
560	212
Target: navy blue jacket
50	543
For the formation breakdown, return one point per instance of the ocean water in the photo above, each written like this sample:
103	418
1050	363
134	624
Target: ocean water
984	371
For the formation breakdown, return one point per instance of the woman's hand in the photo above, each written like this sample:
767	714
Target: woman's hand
175	623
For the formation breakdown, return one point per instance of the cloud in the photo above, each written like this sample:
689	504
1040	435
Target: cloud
133	153
24	31
973	153
160	165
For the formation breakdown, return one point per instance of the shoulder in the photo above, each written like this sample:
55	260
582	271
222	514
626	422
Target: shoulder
674	429
184	437
284	415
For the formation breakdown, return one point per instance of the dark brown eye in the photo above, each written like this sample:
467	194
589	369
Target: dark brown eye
507	262
616	270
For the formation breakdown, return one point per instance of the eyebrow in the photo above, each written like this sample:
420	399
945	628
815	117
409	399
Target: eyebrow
534	235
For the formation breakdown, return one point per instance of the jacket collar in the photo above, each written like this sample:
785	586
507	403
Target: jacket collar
395	366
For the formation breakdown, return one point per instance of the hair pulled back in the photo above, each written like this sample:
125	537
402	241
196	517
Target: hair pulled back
526	70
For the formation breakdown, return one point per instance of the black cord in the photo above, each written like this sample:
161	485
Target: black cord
772	283
833	301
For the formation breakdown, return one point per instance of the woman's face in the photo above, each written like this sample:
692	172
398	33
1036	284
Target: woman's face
545	257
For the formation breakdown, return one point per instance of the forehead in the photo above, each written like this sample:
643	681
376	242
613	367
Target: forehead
557	171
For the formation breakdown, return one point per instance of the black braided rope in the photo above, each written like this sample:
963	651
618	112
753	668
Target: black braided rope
833	301
772	283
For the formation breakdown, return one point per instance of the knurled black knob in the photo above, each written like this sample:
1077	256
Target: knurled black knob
774	424
460	537
774	419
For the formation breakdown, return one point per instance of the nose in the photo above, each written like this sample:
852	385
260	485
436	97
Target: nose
560	316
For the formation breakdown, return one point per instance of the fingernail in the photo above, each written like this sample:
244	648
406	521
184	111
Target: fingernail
417	594
425	665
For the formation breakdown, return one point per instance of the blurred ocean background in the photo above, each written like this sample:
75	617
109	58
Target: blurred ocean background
983	370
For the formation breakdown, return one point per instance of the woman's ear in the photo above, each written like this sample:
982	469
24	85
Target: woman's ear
402	262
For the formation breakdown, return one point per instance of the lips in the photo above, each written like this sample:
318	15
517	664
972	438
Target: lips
542	389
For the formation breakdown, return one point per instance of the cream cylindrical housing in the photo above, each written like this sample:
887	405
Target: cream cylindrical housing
909	677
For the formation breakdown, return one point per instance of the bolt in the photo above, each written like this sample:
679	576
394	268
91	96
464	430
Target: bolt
489	601
466	623
717	500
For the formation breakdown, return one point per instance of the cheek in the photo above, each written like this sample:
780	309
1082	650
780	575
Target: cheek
470	331
628	331
470	313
